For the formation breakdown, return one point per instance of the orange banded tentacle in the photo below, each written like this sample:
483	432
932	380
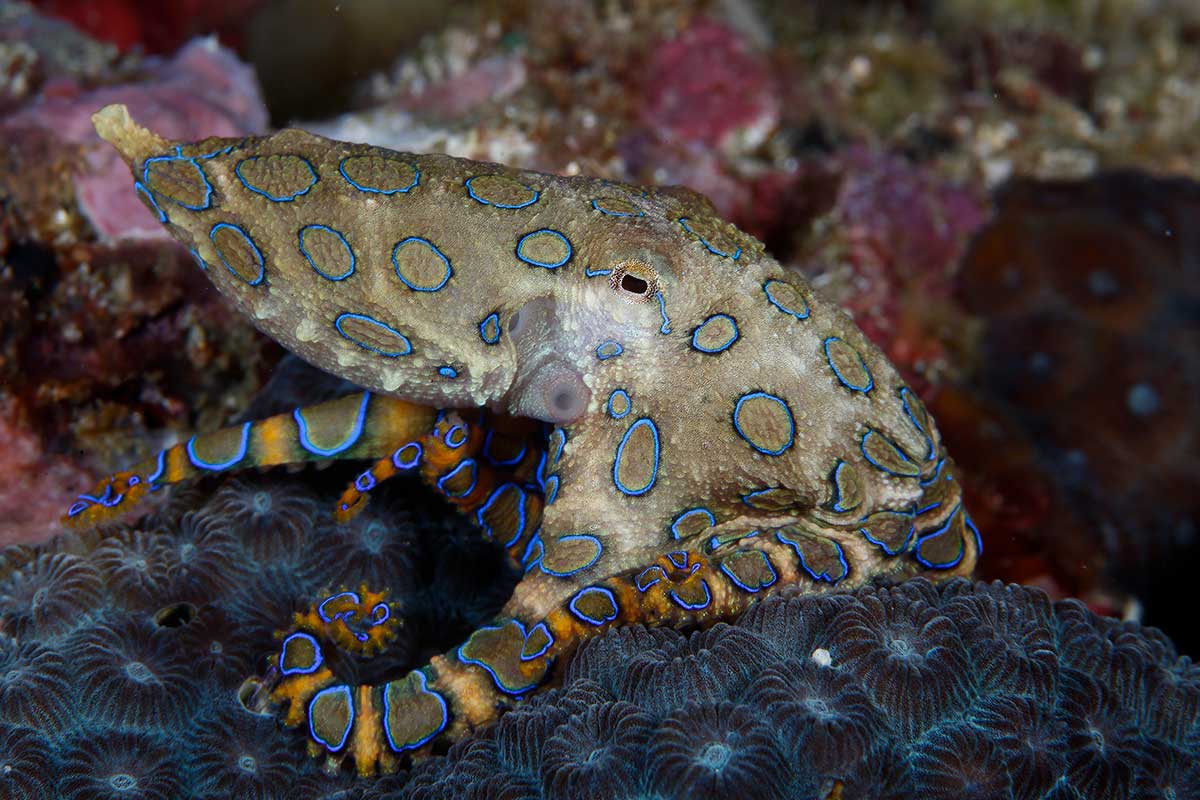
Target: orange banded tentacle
360	425
487	467
498	664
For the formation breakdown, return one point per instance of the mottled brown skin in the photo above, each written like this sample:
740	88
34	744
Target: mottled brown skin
748	401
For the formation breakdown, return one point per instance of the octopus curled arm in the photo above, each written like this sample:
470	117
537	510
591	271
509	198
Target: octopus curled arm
656	420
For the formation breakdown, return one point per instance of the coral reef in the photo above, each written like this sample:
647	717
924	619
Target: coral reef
810	715
100	311
963	690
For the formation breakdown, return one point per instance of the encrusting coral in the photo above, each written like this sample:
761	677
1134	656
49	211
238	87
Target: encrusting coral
963	690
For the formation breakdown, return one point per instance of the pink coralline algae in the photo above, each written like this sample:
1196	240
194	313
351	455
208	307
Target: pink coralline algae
705	86
893	234
202	91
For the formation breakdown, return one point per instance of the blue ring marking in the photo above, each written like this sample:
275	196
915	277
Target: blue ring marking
643	582
376	619
341	169
222	151
609	349
962	550
748	497
693	606
572	537
196	255
558	442
746	588
823	576
937	473
926	509
837	491
387	713
340	689
138	186
262	272
345	244
546	264
204	204
705	242
434	249
974	530
491	321
539	474
551	489
458	440
317	661
785	309
466	463
678	563
665	328
589	590
883	546
159	470
337	323
628	404
113	501
596	206
870	380
399	461
283	198
500	462
905	395
486	667
86	501
548	645
720	348
786	409
201	464
621	451
863	446
527	559
478	199
365	482
483	509
594	273
447	371
321	608
352	437
712	520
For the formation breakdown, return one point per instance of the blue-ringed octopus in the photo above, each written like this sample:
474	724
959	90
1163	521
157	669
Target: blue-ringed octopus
657	421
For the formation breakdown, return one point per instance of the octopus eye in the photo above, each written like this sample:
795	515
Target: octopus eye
634	280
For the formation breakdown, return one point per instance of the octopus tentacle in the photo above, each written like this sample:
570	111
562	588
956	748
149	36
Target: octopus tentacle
360	425
472	684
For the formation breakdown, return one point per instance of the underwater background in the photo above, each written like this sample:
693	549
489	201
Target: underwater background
1002	193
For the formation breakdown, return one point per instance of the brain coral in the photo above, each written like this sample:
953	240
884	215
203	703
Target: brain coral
116	683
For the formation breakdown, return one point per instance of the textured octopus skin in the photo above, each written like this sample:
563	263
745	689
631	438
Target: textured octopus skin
719	431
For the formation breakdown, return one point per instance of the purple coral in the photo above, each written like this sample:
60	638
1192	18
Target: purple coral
718	750
909	655
236	754
121	765
35	687
49	595
136	565
274	520
596	754
25	763
136	679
